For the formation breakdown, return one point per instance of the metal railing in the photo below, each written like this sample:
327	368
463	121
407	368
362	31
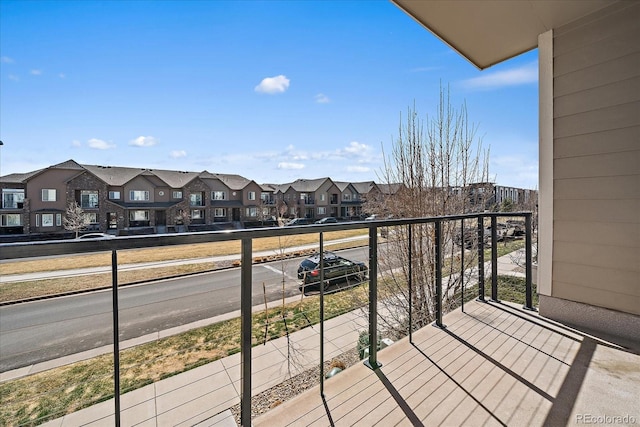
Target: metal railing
14	251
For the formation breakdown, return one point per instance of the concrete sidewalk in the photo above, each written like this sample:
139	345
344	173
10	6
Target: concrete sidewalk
203	396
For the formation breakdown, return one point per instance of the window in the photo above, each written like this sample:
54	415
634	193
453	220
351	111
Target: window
323	197
197	214
114	195
11	220
252	212
139	195
48	195
219	212
252	195
219	195
47	220
91	217
322	211
265	197
88	199
292	211
12	199
346	197
139	215
177	195
196	199
303	196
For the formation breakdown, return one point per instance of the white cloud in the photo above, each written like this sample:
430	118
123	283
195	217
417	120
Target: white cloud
143	141
99	144
357	148
14	77
525	74
176	154
290	165
36	72
322	98
6	60
272	85
76	143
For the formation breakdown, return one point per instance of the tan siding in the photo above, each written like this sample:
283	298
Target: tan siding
603	28
599	52
601	296
617	93
618	234
594	277
598	75
619	116
610	141
623	210
600	188
598	255
596	252
604	165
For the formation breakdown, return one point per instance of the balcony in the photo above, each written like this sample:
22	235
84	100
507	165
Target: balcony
484	362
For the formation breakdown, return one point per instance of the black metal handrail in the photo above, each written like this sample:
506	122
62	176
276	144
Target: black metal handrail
9	251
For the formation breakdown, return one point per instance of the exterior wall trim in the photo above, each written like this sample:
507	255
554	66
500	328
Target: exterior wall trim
545	155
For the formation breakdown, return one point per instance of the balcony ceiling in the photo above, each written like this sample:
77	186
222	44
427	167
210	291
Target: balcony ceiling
491	31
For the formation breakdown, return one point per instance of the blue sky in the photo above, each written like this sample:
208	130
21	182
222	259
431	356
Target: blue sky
272	90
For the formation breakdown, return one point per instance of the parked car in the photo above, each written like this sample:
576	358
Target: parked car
336	269
96	236
297	221
371	217
327	220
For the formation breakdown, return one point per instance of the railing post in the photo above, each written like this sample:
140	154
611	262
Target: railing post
410	285
438	242
321	314
116	336
494	258
245	332
462	264
528	258
372	361
481	258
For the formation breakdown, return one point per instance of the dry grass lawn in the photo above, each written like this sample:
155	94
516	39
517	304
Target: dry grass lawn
167	253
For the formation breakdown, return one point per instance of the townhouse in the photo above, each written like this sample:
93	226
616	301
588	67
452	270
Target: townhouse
126	200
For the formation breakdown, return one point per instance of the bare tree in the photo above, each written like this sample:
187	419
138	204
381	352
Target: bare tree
74	219
441	169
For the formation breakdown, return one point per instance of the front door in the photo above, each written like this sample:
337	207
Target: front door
161	218
236	214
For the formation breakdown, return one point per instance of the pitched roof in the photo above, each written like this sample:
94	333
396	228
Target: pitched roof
19	178
308	185
114	175
342	185
234	182
364	187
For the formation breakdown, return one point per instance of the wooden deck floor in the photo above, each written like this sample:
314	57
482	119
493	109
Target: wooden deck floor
495	364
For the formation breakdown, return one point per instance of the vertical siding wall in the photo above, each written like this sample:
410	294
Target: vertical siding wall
596	255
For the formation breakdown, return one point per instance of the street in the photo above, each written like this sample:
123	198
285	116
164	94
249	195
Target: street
43	330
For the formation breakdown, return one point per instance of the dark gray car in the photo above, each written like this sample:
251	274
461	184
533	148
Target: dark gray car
336	270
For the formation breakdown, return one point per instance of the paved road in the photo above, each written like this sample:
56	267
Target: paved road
43	330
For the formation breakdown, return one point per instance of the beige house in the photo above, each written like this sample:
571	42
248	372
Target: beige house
589	186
